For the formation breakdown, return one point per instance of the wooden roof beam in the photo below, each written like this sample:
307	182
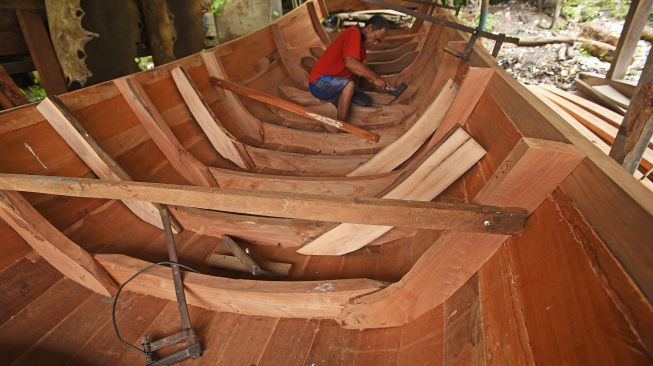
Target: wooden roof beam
371	211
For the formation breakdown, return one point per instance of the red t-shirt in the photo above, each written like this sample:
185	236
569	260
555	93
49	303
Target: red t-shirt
332	61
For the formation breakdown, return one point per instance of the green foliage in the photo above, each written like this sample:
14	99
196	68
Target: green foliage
217	6
144	63
586	10
34	93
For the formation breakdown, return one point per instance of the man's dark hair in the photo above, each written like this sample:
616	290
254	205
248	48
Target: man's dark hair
378	22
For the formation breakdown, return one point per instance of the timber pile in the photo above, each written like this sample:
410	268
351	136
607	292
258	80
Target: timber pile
597	123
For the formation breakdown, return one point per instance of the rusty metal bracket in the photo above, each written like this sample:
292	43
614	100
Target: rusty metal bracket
467	52
497	44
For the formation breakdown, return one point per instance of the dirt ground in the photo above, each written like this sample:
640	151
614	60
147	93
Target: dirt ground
542	65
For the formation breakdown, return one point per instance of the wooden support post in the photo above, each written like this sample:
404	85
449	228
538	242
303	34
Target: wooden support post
222	140
160	26
64	255
532	170
186	164
636	20
40	48
294	108
242	256
637	127
98	160
372	211
10	94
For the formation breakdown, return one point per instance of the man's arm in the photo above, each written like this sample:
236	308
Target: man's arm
360	69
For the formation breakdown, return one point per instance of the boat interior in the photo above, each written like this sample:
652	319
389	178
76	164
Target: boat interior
474	227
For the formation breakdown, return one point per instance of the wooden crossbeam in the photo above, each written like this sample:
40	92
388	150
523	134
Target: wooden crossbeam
64	255
221	139
98	160
371	211
186	164
294	108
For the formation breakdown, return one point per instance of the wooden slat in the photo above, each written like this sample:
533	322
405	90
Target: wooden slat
66	256
532	170
90	151
289	62
381	56
327	165
372	211
221	139
183	162
600	111
234	264
294	108
406	145
393	66
444	166
40	48
365	186
296	299
636	20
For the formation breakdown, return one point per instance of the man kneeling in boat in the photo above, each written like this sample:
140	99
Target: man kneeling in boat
332	76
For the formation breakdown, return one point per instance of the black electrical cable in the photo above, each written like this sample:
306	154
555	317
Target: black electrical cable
115	300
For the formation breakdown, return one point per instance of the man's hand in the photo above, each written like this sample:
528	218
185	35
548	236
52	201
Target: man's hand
380	84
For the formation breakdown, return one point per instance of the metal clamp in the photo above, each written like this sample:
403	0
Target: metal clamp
497	44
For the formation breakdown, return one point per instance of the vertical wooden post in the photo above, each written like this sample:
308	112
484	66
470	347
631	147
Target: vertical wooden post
637	127
10	95
635	21
160	30
40	48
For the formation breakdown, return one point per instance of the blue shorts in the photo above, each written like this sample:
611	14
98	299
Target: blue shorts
329	88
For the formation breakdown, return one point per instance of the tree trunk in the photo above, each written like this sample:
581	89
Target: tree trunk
161	32
556	13
239	17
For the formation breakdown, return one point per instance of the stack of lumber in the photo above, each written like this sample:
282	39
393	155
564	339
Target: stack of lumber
597	123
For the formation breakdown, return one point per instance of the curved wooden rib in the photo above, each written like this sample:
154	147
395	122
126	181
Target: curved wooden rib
255	229
367	186
297	299
443	167
251	127
535	166
288	61
400	150
64	255
183	162
391	55
394	66
317	25
101	163
223	141
306	164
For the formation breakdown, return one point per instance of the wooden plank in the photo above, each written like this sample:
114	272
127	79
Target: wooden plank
372	211
11	96
186	164
294	108
254	229
332	345
234	264
289	62
90	151
536	167
246	261
326	165
364	186
393	66
221	139
296	299
422	341
64	255
637	128
608	115
613	94
40	48
406	145
636	20
381	56
444	166
463	327
290	342
257	331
